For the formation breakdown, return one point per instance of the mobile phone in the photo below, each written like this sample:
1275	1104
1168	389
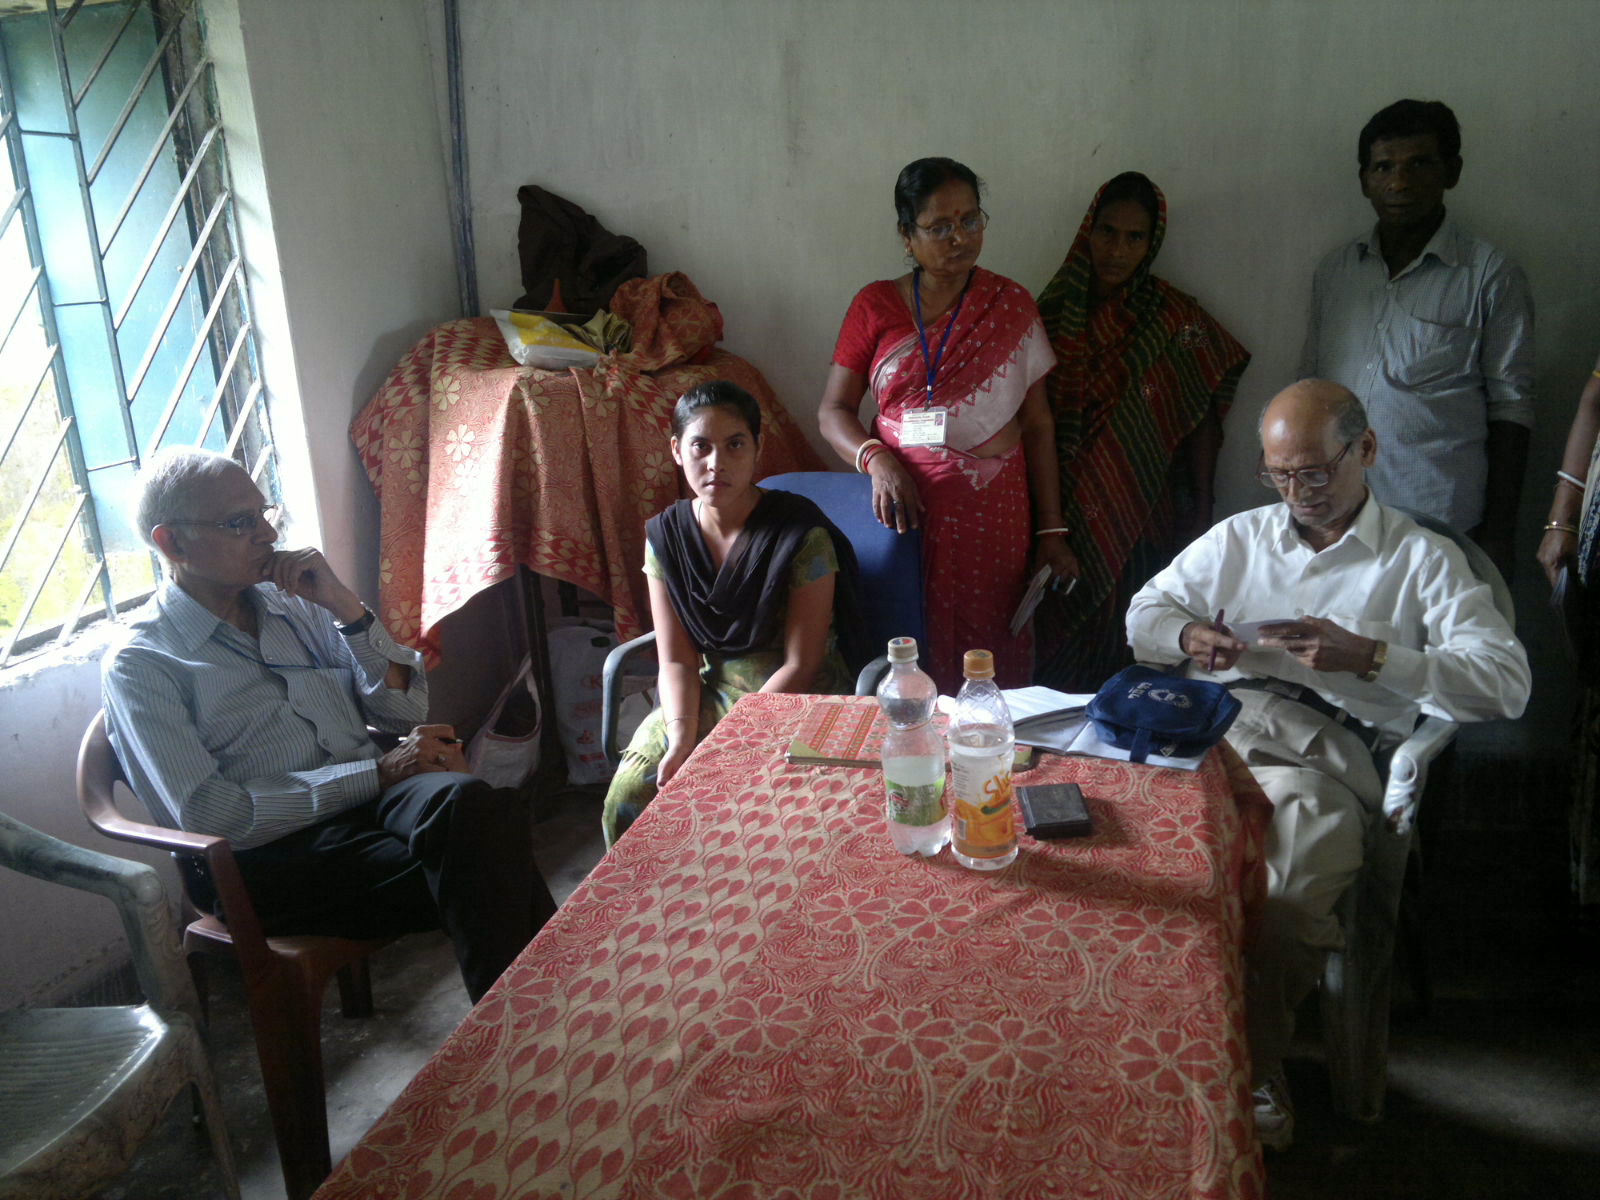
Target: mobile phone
1054	810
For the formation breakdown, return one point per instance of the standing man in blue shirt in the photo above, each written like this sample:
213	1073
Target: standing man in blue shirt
1433	330
239	704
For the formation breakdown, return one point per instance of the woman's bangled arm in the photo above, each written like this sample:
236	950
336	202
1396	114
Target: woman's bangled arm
1558	545
678	680
1044	480
895	500
839	414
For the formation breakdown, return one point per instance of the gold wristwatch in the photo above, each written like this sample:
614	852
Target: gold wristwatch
1380	655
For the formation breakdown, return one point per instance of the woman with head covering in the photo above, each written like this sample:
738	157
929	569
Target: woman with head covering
747	588
1144	378
963	445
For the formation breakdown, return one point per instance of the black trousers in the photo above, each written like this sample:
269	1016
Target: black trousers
436	850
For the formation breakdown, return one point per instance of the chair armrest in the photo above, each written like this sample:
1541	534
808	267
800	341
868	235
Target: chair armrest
178	841
133	887
98	776
611	691
872	675
1408	771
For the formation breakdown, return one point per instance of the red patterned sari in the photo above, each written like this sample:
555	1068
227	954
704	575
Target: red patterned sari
1139	373
976	530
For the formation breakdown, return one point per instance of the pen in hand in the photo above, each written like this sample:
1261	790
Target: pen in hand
1211	662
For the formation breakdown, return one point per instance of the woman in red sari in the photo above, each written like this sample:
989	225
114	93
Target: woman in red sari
1145	378
963	445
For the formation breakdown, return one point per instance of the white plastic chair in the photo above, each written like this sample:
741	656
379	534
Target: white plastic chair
80	1088
1356	981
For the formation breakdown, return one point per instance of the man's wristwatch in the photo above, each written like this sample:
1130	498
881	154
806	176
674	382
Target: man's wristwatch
360	625
1380	655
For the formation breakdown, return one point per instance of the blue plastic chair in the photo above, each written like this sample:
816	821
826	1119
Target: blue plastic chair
891	583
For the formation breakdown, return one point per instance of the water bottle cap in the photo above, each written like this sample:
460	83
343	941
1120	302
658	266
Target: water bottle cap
978	664
903	649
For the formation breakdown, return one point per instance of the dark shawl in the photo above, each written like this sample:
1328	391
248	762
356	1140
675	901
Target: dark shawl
736	610
558	242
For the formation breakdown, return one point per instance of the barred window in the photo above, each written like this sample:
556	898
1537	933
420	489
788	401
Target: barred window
124	316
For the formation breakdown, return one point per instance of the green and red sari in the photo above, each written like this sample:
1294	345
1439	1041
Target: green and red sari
1137	374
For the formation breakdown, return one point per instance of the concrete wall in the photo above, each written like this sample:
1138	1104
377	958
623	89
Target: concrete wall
338	165
333	125
755	146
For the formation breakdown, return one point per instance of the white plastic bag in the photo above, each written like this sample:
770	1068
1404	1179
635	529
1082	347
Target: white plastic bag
507	759
577	659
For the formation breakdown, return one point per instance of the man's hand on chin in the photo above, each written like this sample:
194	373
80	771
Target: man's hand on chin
306	574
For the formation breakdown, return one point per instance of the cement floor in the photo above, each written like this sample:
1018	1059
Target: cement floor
1495	1093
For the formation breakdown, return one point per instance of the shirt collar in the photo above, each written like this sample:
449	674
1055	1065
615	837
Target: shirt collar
1444	245
193	623
1367	529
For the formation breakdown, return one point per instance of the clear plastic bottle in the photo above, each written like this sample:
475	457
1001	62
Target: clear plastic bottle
913	755
983	829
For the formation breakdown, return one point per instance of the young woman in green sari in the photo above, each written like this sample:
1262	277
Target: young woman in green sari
747	588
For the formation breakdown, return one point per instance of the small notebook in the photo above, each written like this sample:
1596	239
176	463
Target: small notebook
840	731
848	731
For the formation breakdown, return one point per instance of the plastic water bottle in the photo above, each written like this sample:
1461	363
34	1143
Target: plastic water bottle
913	755
984	830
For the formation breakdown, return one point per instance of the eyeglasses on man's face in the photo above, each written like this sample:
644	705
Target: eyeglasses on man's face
970	225
1309	477
242	525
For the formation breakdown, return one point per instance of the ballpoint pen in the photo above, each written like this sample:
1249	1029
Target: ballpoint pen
1211	663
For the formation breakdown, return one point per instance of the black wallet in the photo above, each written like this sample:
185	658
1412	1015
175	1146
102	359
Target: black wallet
1054	810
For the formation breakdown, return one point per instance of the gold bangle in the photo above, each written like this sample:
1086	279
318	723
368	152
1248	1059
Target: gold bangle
1061	529
1562	526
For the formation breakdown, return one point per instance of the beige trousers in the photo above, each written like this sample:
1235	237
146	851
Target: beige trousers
1324	788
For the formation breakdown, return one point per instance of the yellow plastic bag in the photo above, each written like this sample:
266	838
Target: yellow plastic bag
537	341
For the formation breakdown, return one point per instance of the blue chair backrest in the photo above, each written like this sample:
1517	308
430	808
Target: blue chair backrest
891	563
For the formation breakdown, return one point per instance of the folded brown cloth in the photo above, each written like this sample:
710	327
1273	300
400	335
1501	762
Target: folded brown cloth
557	240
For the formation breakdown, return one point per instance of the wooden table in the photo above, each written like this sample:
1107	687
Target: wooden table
753	995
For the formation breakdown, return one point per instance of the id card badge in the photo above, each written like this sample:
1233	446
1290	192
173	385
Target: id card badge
923	427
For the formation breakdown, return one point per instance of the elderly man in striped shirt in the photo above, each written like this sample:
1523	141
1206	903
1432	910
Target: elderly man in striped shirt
239	703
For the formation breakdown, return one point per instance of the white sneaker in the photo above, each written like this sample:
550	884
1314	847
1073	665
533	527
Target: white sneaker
1274	1113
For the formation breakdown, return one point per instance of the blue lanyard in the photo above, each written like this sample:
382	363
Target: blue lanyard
932	365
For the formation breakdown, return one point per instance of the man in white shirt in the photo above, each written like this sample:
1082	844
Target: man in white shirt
238	703
1378	620
1433	330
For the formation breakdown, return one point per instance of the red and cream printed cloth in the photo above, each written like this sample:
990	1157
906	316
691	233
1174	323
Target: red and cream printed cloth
753	995
480	465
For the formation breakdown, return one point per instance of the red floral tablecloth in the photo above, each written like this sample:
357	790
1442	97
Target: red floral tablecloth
753	995
480	464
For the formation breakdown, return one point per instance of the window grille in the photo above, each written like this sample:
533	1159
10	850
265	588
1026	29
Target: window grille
124	316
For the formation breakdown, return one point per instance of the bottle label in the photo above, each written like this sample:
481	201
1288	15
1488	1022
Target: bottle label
915	803
983	825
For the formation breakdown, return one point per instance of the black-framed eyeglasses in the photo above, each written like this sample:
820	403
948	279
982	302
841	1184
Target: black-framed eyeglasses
242	525
971	225
1310	477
